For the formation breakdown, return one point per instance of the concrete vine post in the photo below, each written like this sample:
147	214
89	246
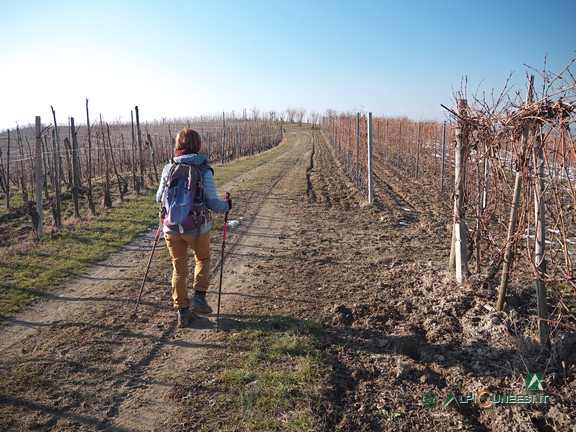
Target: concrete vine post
459	227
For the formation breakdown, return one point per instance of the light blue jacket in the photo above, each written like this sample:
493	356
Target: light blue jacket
210	196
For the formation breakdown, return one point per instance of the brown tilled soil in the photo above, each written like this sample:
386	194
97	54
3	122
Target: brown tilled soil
396	324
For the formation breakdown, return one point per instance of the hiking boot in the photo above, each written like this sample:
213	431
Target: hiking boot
200	306
183	317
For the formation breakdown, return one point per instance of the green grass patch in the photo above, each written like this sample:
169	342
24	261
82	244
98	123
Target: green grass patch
27	275
269	380
280	162
17	381
22	378
230	171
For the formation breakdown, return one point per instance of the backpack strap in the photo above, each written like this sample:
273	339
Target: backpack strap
203	167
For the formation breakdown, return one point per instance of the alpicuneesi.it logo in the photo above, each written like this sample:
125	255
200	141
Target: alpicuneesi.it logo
486	398
535	381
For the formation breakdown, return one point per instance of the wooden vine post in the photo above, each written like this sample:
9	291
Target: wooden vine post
399	143
443	169
386	143
540	246
39	210
434	151
75	180
418	144
459	228
134	179
139	134
20	180
509	249
222	156
152	155
45	170
107	199
122	184
357	148
8	174
236	143
57	192
479	212
89	177
370	175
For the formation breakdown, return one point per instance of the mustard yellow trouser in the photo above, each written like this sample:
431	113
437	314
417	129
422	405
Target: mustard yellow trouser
178	248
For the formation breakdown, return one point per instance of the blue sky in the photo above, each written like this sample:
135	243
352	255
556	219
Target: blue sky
186	58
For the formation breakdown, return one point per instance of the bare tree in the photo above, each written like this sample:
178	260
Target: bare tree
315	118
291	114
255	112
300	114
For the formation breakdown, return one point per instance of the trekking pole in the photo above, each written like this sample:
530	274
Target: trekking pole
148	267
227	199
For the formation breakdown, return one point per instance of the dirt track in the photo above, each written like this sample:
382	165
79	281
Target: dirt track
396	325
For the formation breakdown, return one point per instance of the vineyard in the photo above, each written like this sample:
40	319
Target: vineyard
380	274
50	173
510	168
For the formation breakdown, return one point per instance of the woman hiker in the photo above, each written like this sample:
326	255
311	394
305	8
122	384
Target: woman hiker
178	238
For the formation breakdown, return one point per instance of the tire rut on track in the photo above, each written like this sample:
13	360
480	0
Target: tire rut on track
98	369
261	231
254	203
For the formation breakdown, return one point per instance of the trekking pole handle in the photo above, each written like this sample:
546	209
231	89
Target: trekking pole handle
228	200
